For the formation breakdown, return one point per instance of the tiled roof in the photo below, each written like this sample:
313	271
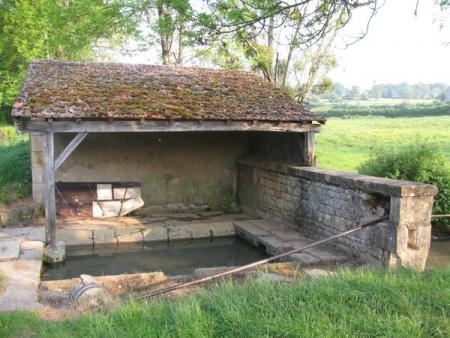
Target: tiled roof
61	89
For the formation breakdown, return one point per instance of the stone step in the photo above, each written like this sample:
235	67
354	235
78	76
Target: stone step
278	238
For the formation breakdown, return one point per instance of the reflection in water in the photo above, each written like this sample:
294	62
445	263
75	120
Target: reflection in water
174	258
439	256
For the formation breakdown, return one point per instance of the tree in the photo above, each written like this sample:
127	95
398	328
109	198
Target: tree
166	23
354	93
49	29
376	91
249	33
287	43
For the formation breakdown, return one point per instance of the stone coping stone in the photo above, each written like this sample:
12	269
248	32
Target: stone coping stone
36	234
75	237
155	234
138	234
384	186
15	232
250	230
9	249
21	290
222	229
31	250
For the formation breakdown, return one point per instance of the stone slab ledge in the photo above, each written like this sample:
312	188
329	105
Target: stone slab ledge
383	186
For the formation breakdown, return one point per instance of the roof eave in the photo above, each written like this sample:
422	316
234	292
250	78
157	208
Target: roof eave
174	125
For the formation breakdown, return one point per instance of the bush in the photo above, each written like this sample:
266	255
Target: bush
15	164
5	115
422	162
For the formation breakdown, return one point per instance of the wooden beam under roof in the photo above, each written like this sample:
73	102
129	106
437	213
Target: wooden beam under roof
117	126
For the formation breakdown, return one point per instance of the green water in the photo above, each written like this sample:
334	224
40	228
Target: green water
174	258
439	255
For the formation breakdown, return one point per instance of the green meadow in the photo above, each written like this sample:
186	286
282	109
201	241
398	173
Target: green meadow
345	143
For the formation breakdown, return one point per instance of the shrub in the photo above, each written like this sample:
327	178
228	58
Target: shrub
15	164
421	161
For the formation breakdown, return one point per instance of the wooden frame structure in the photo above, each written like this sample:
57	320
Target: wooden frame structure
83	127
95	97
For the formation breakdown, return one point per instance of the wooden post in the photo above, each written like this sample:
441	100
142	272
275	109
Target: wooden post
309	149
306	142
49	188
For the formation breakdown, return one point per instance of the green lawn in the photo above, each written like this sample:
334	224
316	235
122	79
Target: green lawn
345	143
368	303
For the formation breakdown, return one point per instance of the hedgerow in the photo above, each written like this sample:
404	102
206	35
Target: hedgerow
421	161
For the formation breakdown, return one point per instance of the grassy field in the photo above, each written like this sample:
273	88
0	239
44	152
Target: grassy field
369	303
345	143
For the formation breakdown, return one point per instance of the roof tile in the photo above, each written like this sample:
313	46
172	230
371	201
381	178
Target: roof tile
62	89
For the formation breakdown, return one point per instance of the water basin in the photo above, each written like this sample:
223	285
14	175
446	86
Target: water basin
439	255
172	258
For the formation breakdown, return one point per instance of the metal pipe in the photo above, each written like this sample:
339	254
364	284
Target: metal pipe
264	261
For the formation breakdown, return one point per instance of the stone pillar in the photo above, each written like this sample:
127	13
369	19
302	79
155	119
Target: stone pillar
37	165
412	217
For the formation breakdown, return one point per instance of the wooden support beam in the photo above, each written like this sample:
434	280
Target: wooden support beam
69	149
309	149
306	142
69	126
49	188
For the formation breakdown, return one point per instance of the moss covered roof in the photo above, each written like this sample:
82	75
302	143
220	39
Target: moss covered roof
61	89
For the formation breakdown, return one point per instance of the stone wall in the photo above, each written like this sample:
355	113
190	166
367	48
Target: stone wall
322	203
177	170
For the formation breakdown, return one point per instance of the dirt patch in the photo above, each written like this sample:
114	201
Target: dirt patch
55	294
21	213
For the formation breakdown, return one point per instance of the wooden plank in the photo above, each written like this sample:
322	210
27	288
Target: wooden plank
79	193
49	189
74	199
104	192
130	205
69	149
106	208
75	193
126	193
69	126
74	211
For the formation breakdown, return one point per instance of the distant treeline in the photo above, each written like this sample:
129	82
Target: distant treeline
403	91
399	110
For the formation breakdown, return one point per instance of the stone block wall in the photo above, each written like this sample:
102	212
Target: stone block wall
37	163
321	203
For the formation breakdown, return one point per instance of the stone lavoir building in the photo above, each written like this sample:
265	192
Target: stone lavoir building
177	139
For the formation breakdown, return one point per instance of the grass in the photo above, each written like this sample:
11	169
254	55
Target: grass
15	165
369	303
346	143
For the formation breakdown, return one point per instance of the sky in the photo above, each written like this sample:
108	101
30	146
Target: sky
399	47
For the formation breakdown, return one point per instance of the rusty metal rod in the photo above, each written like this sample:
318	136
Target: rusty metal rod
264	261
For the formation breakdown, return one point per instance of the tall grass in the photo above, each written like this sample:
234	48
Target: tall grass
15	165
370	303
